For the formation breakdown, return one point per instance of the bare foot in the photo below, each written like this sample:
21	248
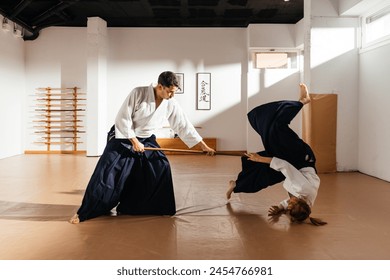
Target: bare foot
304	96
75	219
232	185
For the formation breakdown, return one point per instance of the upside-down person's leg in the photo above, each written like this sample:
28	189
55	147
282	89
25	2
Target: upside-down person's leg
254	177
304	96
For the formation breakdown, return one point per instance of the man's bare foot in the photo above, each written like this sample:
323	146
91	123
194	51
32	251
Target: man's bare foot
75	219
304	96
232	185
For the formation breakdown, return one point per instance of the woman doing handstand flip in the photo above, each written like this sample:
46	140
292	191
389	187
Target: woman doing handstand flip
286	157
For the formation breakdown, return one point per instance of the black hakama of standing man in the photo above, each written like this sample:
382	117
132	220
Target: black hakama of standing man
137	183
271	121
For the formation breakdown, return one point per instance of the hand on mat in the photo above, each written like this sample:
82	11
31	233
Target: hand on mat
275	211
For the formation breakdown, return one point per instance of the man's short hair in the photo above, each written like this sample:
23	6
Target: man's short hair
168	79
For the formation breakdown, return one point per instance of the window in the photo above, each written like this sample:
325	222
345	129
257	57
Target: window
275	60
376	26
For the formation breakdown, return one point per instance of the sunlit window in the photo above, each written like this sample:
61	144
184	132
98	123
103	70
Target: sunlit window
275	60
377	26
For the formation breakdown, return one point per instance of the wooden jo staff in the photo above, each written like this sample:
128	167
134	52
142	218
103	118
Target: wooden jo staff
225	153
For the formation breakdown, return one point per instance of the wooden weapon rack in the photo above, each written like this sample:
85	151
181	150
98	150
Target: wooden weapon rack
57	118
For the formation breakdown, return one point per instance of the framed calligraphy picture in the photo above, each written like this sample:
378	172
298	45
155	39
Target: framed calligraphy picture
203	91
180	79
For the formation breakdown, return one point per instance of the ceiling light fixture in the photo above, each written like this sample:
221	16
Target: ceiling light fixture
6	25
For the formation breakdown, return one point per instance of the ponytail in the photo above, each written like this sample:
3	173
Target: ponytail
317	222
299	211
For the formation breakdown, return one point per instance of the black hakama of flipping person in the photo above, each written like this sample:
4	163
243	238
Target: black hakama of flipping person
271	121
286	158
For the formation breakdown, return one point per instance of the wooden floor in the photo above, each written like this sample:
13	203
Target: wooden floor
38	194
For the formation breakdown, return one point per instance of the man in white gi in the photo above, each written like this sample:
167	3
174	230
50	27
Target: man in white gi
126	176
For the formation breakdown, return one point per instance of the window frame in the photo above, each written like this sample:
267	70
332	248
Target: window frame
297	53
372	15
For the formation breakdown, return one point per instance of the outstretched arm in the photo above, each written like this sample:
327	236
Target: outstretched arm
258	158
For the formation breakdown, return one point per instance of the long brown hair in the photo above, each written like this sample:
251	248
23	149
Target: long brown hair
299	211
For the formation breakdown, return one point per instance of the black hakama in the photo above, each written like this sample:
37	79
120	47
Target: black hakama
135	183
271	121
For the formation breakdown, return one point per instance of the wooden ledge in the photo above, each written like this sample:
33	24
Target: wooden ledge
177	143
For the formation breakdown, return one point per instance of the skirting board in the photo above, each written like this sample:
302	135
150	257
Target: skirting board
54	152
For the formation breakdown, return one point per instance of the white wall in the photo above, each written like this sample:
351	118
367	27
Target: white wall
266	85
324	8
374	113
138	55
373	99
356	7
272	36
12	89
334	69
360	80
57	59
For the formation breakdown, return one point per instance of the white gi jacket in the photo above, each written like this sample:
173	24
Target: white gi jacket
302	183
138	117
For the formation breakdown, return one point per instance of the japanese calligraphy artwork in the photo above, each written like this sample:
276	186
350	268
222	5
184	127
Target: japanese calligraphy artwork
203	91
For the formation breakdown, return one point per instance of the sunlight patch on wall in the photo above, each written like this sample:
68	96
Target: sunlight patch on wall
274	76
329	43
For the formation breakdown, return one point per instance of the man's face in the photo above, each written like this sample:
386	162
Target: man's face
167	92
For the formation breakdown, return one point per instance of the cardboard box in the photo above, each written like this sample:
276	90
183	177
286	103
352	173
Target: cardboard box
319	130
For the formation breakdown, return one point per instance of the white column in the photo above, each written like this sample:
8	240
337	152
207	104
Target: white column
96	86
307	42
